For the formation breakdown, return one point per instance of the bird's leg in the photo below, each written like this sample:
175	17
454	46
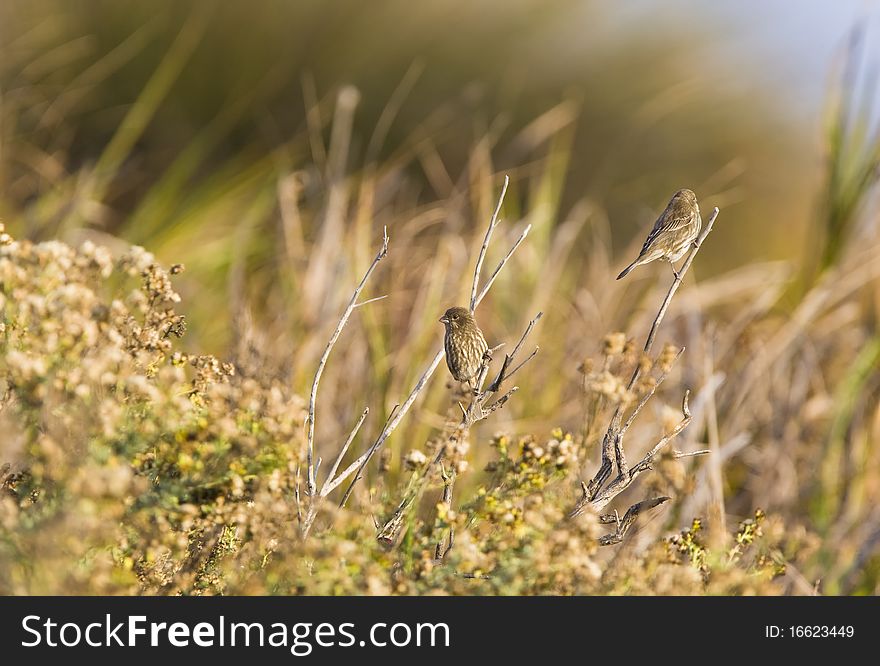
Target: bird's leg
480	377
674	272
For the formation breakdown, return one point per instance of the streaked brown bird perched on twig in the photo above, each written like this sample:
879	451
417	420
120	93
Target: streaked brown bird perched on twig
464	344
677	227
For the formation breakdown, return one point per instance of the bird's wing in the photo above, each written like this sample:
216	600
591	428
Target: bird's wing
665	226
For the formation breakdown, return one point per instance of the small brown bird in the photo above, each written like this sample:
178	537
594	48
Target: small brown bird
674	231
464	344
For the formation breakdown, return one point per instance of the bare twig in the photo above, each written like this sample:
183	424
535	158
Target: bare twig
500	402
359	465
371	300
649	394
501	264
623	524
525	360
623	481
494	222
315	502
482	372
325	488
678	455
389	533
508	358
298	498
448	483
313	394
645	463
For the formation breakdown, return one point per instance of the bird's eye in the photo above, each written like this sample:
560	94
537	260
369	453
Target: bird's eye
455	316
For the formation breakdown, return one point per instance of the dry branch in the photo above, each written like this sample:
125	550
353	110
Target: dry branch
597	494
494	222
627	521
508	358
313	394
359	464
325	489
364	459
312	464
623	481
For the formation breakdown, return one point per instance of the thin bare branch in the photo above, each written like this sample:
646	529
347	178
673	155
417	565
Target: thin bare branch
625	523
448	483
508	358
500	266
649	394
500	402
645	462
494	222
316	501
391	530
623	481
526	333
358	465
370	300
481	375
343	451
678	455
313	394
298	497
525	360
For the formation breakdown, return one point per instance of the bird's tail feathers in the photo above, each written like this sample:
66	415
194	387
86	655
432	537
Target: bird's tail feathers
626	270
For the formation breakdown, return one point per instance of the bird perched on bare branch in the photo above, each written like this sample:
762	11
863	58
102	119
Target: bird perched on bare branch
677	227
464	344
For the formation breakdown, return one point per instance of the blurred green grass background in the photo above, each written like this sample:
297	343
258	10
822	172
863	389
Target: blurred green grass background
168	104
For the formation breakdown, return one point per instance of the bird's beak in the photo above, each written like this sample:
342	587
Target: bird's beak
444	320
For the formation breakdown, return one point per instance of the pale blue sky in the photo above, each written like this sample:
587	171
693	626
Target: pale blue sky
787	45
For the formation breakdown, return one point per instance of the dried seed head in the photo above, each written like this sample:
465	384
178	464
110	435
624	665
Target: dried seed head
667	357
414	460
614	344
385	461
586	366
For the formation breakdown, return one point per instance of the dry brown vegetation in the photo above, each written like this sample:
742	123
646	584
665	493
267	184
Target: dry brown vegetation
135	466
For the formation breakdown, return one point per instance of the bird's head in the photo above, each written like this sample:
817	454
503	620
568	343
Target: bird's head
455	318
685	196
